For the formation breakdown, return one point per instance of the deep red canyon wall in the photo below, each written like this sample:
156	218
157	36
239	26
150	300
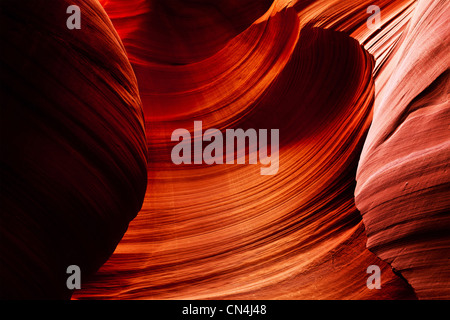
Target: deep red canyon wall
363	179
73	147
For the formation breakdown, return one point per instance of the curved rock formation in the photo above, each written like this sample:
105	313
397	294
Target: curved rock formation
74	171
73	159
180	31
403	179
225	231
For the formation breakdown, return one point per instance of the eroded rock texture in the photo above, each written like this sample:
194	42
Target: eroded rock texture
310	68
225	231
73	147
403	175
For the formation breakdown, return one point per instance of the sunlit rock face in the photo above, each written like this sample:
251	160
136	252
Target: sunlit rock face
73	147
225	231
76	168
403	175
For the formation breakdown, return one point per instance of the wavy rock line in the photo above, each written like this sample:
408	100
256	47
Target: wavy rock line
225	231
403	178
